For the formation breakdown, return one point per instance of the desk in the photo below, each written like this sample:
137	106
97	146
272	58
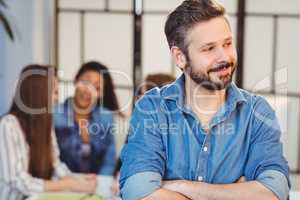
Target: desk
103	190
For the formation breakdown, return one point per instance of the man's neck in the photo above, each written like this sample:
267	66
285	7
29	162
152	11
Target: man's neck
204	103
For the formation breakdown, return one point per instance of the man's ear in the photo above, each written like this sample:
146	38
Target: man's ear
178	57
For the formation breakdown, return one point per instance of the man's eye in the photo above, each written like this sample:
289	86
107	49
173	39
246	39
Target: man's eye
227	44
84	82
208	48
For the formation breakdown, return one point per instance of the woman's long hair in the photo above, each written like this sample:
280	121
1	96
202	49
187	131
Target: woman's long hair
32	107
109	99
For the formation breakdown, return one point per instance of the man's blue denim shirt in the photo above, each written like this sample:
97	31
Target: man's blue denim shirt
167	142
103	151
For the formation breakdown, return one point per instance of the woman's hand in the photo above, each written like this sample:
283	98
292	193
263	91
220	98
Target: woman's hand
84	183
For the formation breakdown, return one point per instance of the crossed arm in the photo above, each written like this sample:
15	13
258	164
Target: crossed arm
182	189
266	166
165	194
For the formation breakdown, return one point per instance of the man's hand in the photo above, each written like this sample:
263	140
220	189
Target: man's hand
163	194
204	191
175	185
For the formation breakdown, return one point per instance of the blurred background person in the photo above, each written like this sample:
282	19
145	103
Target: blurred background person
151	81
154	80
84	122
29	155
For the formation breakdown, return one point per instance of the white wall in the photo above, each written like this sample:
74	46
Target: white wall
15	54
259	50
30	22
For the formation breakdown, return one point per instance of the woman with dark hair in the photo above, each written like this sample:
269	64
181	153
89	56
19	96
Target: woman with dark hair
84	122
107	98
29	155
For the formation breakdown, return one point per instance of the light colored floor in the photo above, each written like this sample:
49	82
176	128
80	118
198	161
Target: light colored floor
295	179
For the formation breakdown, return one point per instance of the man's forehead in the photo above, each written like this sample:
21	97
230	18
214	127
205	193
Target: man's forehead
211	31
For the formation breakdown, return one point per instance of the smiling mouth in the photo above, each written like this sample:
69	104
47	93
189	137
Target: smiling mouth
221	68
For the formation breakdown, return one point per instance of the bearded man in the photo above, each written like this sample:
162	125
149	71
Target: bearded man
202	137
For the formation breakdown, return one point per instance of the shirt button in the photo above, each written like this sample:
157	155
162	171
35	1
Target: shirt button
205	149
200	178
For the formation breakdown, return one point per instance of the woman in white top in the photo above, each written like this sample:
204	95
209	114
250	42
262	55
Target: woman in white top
29	156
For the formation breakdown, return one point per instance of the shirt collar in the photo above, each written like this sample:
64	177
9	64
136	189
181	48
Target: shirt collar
176	92
234	95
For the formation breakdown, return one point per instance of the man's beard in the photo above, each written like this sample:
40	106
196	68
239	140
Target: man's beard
206	82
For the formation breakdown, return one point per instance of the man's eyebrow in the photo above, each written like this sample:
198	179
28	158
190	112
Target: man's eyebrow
213	43
207	44
228	38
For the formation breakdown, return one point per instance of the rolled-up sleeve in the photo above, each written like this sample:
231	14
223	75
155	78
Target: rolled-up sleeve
266	162
143	157
141	185
276	182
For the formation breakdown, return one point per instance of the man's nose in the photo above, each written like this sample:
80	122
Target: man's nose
222	55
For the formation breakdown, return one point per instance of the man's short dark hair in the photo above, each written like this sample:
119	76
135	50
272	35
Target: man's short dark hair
185	16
